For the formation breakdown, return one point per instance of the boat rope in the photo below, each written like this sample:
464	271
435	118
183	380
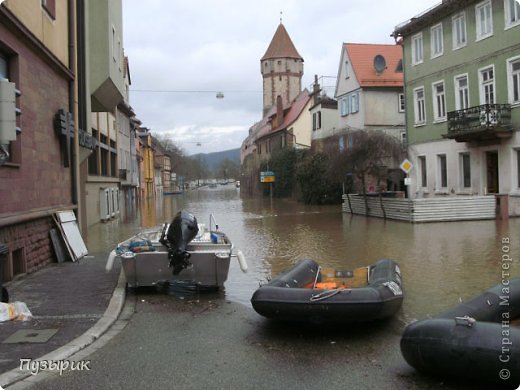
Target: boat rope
465	321
316	278
326	294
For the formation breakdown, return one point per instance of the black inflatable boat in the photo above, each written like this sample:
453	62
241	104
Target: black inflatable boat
477	341
307	292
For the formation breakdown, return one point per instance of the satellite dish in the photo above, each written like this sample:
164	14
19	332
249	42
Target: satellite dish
379	63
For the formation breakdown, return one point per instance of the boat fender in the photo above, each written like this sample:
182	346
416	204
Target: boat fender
110	261
242	261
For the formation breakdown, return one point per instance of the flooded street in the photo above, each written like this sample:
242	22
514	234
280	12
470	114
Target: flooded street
441	263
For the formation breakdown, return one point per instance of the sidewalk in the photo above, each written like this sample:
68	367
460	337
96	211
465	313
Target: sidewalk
72	305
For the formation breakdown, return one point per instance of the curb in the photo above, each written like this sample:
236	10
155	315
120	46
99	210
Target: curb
104	323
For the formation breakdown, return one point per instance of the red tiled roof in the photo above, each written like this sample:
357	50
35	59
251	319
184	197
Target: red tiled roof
263	127
291	113
281	46
295	110
362	60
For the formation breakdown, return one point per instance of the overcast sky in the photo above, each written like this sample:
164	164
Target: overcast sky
182	52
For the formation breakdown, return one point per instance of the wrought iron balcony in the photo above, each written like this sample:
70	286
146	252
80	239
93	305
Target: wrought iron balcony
487	122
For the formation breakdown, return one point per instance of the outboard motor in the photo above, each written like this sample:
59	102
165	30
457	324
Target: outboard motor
181	231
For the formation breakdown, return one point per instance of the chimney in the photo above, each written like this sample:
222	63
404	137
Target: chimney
316	90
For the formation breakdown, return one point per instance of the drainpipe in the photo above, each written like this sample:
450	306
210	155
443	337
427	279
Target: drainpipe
72	97
81	95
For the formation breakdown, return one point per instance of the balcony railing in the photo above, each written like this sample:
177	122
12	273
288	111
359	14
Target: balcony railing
480	123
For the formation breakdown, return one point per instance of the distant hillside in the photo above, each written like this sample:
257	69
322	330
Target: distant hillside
214	159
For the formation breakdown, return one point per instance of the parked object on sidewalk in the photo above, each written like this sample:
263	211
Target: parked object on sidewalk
181	251
14	311
68	227
476	341
308	292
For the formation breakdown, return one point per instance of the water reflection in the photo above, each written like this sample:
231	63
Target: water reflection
440	262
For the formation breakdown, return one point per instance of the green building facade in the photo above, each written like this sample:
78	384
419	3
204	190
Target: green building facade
462	85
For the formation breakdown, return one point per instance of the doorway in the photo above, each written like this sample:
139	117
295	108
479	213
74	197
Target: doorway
492	172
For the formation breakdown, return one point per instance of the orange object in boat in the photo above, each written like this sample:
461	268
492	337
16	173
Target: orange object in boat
326	285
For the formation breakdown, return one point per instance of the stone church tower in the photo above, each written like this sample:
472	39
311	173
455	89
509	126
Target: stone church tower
282	70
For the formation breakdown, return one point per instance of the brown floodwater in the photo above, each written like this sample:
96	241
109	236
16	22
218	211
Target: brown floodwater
441	263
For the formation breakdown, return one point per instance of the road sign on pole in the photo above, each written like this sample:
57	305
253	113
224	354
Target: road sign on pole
406	166
267	177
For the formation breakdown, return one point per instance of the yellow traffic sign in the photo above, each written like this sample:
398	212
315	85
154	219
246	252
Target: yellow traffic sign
406	166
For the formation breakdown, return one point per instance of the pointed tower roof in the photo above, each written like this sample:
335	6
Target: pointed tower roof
281	46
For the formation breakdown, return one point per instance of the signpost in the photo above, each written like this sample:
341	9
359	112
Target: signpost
268	177
406	166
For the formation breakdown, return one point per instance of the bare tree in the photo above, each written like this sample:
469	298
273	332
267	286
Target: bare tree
370	153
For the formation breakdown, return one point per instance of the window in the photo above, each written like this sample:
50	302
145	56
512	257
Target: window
120	57
513	79
401	102
459	31
4	147
316	121
341	143
484	18
113	158
403	138
422	169
114	49
11	150
399	67
461	92
50	7
518	168
465	169
343	104
347	71
417	49
354	102
442	171
4	66
512	13
436	41
93	167
439	101
487	86
350	142
349	104
419	107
